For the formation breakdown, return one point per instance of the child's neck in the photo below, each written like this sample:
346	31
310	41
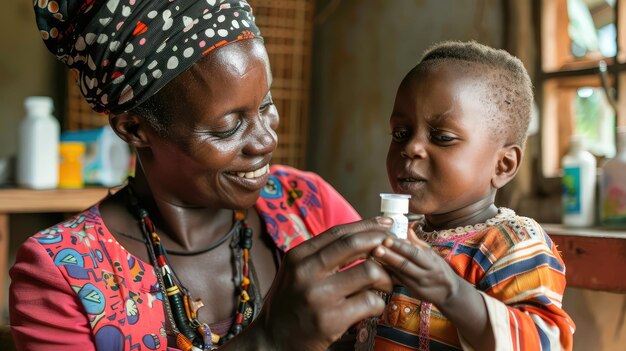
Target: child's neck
477	212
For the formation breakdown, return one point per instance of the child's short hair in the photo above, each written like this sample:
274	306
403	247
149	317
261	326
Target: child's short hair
511	90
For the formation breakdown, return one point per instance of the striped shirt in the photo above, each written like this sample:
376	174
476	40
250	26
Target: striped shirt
519	272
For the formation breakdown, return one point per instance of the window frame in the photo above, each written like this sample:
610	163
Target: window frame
557	71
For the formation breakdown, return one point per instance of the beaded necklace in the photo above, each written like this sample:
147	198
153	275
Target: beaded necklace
181	309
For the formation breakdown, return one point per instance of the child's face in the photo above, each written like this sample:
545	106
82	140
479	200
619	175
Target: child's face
443	151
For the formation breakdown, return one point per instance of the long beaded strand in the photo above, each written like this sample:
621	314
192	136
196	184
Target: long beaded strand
185	334
243	308
181	310
184	317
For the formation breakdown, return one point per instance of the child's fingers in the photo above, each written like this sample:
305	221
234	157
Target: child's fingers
400	278
413	239
418	253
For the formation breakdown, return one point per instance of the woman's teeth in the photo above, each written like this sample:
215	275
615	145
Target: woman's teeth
254	174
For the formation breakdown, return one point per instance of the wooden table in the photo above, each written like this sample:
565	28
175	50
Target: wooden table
37	201
595	258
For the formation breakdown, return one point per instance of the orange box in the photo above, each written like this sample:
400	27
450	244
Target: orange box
71	155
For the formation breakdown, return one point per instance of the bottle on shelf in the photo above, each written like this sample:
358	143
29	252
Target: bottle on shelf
71	158
578	185
613	186
106	158
38	145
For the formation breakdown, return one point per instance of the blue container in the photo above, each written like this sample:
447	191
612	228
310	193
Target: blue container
107	157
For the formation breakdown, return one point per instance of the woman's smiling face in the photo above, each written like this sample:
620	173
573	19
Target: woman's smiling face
217	150
442	152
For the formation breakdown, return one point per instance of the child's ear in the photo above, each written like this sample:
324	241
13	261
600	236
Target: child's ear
132	128
508	163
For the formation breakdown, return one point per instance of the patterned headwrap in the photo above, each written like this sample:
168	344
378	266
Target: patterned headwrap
121	52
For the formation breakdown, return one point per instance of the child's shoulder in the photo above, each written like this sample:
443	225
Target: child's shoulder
508	230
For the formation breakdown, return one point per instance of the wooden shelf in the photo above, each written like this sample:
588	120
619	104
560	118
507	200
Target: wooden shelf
595	258
13	200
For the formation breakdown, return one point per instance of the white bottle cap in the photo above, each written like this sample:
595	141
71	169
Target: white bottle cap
394	203
39	103
577	142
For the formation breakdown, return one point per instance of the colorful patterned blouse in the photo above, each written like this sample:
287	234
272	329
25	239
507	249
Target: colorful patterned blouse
519	272
75	288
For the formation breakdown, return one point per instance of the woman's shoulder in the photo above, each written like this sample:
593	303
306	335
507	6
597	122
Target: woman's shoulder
78	232
284	172
296	205
292	186
114	289
83	249
290	205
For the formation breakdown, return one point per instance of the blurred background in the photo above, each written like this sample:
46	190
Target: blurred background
337	65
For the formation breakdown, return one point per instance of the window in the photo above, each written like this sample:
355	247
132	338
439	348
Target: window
583	65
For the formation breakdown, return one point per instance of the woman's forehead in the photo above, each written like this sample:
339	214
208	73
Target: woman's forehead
233	77
226	63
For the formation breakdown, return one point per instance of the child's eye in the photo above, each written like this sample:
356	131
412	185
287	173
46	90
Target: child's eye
441	137
399	135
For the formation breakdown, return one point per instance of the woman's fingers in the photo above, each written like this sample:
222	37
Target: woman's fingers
343	251
363	276
313	245
311	301
360	306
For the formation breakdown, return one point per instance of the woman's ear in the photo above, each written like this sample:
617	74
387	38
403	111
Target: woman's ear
508	163
133	129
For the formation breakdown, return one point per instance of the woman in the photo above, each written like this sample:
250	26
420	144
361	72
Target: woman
187	84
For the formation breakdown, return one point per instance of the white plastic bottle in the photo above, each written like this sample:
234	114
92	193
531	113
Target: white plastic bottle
613	186
38	148
396	206
578	185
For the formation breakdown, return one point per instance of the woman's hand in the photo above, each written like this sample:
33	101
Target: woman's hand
312	301
417	267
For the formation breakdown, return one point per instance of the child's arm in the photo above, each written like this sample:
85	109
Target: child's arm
518	306
430	278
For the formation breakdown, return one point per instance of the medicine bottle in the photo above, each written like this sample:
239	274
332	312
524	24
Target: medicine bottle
38	145
395	206
578	185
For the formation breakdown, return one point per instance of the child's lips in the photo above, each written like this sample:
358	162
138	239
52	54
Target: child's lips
410	185
411	177
412	180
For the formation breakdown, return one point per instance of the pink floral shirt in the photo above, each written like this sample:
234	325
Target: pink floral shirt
75	288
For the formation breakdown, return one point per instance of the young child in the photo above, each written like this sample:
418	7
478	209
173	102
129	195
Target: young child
476	276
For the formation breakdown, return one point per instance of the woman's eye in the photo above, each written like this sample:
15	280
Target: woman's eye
266	105
399	135
227	133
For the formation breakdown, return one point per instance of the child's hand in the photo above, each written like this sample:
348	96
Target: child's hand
417	267
413	239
